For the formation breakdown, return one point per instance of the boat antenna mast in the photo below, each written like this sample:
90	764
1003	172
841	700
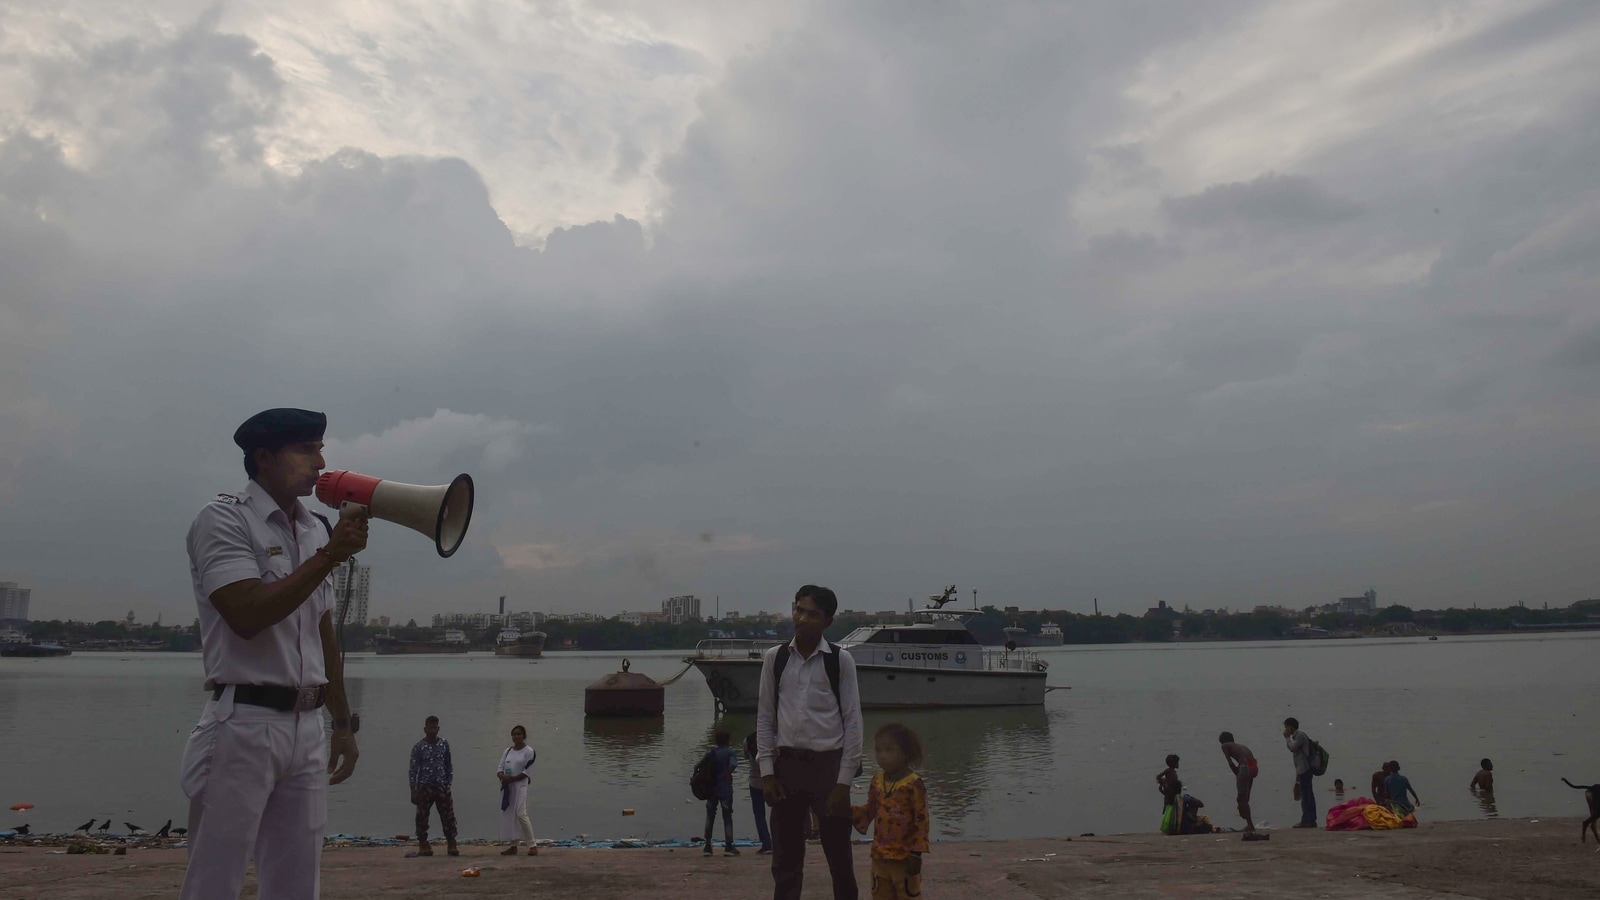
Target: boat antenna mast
939	601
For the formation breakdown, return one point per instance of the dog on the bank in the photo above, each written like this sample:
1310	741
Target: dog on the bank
1591	793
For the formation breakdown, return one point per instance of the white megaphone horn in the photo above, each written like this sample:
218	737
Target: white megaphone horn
440	511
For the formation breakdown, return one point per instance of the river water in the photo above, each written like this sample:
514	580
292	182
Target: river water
97	735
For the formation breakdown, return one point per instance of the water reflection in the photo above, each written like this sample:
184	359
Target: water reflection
355	693
1486	803
622	749
8	698
972	755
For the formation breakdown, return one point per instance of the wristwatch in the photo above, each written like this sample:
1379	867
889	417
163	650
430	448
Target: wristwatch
353	723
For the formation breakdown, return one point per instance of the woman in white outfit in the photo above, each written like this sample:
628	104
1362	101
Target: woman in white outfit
515	764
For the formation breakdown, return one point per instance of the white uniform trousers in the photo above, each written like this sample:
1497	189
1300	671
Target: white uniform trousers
257	782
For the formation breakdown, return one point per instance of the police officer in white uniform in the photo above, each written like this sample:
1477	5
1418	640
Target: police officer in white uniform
257	767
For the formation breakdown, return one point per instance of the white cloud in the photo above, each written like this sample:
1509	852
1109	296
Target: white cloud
432	443
567	107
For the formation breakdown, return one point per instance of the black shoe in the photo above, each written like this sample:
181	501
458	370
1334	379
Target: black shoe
708	850
731	851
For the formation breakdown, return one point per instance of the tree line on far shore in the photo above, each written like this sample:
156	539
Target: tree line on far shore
987	625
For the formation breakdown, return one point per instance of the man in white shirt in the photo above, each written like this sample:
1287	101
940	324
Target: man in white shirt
808	745
256	768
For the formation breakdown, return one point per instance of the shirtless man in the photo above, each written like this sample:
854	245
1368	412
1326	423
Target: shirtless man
1244	766
1167	781
1484	780
1380	792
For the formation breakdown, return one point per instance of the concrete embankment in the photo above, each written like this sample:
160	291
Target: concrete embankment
1509	858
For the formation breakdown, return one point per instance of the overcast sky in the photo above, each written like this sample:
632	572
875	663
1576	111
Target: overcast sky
1217	304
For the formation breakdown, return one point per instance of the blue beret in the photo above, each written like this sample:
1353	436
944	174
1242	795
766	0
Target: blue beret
277	427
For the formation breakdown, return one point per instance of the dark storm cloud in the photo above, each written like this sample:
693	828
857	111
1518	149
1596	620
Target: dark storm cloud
875	338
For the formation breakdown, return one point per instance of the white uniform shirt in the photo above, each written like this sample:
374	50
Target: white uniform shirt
238	538
808	717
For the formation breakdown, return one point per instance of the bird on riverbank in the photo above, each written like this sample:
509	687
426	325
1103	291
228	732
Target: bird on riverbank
165	829
22	829
180	832
132	828
106	826
85	826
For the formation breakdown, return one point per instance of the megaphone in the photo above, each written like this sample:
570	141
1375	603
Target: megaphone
440	511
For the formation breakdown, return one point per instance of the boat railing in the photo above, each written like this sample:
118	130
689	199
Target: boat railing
1013	661
732	648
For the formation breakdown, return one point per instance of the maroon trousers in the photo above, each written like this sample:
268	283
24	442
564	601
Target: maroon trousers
427	795
807	777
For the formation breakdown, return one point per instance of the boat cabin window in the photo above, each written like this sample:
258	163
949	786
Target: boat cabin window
922	636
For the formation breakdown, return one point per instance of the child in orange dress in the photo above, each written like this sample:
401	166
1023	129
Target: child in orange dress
897	804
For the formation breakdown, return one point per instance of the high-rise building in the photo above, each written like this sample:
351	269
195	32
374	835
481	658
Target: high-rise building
357	613
14	601
523	619
681	609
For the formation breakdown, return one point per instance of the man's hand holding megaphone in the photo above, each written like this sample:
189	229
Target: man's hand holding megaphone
349	537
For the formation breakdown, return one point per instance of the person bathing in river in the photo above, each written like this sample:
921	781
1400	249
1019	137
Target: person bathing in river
1380	788
1171	788
1245	769
1398	787
1484	780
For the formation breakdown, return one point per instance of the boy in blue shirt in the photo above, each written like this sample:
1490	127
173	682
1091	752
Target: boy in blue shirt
727	760
1398	787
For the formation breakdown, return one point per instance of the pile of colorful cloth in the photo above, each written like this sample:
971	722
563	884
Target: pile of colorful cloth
1362	813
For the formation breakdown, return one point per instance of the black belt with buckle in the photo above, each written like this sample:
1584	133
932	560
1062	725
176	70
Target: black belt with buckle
802	754
282	699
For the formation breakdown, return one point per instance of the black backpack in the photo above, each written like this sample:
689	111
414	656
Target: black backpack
703	780
830	665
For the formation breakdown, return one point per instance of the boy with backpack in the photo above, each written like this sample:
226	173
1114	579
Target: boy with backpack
1309	760
712	781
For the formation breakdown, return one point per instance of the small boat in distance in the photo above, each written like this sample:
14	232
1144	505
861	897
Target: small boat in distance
34	650
523	644
931	662
1049	636
454	641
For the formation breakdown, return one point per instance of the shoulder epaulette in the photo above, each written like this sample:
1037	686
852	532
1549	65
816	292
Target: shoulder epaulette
229	498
